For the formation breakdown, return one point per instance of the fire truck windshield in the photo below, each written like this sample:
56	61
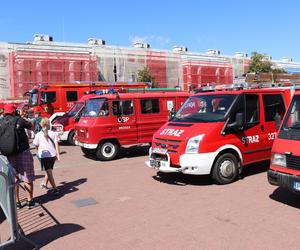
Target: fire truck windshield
96	107
75	109
33	98
205	108
292	118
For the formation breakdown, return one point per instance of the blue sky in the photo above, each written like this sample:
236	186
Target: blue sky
270	27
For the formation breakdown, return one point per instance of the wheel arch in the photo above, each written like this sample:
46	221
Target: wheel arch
115	140
229	149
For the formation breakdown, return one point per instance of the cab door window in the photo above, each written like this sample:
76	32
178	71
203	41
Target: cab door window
248	105
48	97
122	107
273	105
252	108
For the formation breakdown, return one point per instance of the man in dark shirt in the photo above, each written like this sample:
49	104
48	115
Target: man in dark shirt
22	161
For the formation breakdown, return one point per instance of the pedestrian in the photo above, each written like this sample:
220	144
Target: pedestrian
22	160
36	121
1	113
46	142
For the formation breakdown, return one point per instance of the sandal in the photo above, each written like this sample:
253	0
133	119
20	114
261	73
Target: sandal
18	204
43	186
31	204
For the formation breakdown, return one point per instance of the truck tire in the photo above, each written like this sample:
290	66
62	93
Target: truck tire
71	139
225	169
88	151
107	151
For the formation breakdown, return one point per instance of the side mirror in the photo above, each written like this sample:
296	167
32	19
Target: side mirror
172	113
277	120
238	122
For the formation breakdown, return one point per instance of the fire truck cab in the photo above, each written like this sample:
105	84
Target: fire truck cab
64	125
111	121
285	162
53	98
216	133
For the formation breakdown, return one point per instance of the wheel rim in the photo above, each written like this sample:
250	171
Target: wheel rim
227	168
108	150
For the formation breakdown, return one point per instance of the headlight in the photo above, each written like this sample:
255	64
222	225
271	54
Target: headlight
87	134
192	146
57	128
279	160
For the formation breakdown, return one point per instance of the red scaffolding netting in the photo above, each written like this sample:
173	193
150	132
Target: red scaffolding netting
203	73
31	68
156	62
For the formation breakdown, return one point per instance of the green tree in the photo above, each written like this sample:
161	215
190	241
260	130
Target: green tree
259	64
144	75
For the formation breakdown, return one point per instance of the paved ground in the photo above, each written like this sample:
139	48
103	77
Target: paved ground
136	209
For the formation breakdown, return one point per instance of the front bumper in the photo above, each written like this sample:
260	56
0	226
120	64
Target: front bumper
291	182
86	145
194	164
63	136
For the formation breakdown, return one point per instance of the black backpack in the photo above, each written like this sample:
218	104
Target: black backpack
9	140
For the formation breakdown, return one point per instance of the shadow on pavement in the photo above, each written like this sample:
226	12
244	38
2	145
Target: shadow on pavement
64	188
41	227
200	180
286	197
255	168
46	236
2	216
134	151
183	180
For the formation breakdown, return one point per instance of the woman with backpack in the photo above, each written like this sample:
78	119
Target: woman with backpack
46	142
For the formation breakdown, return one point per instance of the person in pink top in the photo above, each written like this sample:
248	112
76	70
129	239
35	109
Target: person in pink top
46	142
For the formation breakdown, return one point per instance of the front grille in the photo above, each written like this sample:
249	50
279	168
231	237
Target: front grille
171	145
293	162
166	140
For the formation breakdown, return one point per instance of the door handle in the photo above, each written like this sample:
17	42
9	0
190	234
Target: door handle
262	128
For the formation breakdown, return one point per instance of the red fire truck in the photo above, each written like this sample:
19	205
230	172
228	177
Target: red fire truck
216	133
53	98
64	124
285	162
122	119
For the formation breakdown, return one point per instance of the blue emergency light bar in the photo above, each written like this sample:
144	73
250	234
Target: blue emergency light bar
101	92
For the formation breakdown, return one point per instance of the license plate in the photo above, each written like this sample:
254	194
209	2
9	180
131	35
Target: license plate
78	143
155	164
160	150
296	185
158	164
